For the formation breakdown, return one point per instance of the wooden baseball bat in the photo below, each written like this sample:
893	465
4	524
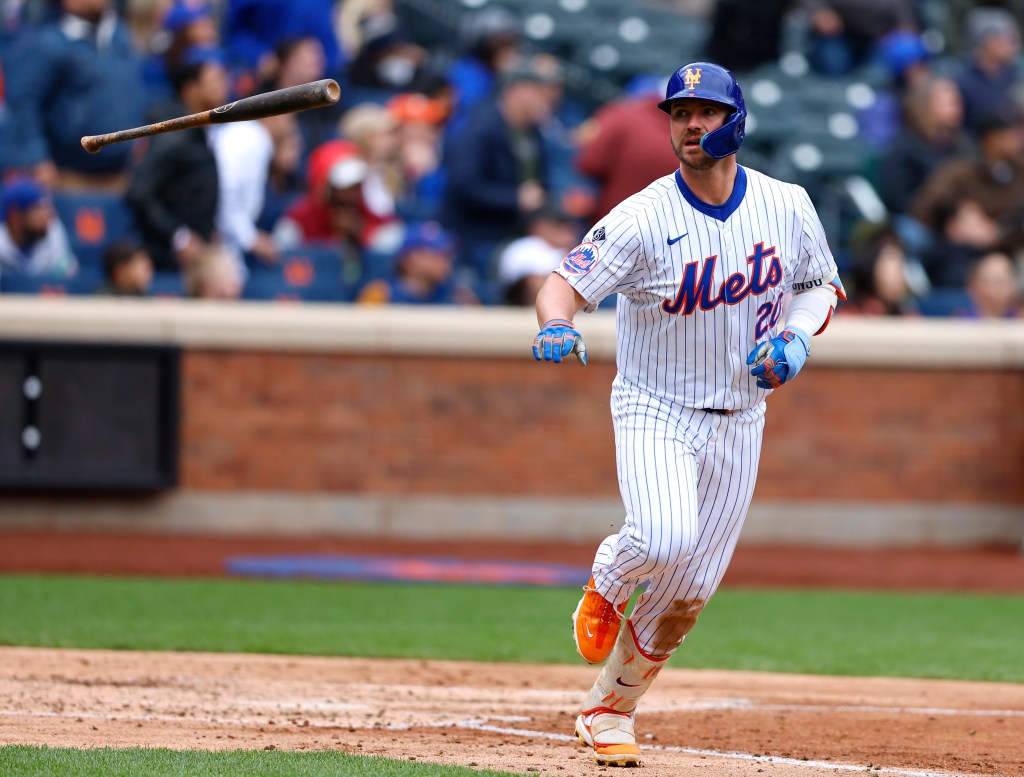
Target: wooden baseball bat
315	94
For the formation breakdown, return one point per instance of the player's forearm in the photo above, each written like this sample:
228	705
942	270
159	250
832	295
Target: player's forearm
810	310
557	300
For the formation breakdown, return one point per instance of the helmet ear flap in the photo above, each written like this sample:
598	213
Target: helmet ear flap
727	139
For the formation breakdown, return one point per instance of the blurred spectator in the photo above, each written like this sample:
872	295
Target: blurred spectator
174	189
879	275
253	29
419	121
284	182
500	170
243	151
994	179
128	270
932	134
525	263
988	78
623	146
993	288
298	61
746	33
32	239
185	25
965	234
213	274
334	207
78	75
491	42
843	34
907	62
374	130
387	60
350	22
423	272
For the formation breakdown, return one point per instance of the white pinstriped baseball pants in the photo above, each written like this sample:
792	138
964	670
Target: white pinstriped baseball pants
686	477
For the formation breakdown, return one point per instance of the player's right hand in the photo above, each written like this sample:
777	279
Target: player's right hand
558	339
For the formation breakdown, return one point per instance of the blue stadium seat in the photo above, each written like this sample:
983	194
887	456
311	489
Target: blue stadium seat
941	303
167	283
311	273
84	283
93	221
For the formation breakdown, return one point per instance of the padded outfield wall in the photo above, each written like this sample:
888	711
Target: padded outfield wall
399	423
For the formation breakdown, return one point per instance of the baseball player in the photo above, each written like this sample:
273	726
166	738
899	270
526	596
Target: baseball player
707	262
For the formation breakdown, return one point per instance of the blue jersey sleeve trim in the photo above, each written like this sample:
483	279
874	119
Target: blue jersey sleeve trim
726	209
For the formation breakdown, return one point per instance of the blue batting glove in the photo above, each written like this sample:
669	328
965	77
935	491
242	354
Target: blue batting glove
779	360
557	339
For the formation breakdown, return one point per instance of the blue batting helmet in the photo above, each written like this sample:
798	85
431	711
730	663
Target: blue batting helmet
708	81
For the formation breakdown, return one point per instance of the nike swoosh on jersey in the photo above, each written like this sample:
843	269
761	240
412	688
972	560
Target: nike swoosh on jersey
673	240
626	685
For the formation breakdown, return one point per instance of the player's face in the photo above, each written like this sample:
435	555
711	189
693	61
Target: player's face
690	120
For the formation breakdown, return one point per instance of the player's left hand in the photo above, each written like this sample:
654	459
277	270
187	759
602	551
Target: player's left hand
558	339
778	360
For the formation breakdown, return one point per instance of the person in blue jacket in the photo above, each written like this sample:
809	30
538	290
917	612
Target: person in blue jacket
75	75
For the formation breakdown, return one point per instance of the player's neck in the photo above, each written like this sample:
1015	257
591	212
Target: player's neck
714	185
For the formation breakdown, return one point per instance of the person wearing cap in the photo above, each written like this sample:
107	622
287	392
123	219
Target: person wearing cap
174	189
500	170
990	76
77	75
334	208
993	178
491	42
422	273
32	239
420	120
844	34
526	262
184	25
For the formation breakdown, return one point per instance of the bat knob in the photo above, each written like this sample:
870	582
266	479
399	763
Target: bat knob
91	143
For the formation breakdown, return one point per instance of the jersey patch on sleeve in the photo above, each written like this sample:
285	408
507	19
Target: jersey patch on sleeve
581	259
599	235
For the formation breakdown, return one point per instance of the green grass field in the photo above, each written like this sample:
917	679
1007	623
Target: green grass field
16	761
965	636
955	636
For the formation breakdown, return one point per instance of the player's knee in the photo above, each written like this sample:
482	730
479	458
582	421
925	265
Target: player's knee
666	555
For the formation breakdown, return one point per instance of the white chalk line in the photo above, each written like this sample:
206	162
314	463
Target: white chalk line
767	759
474	724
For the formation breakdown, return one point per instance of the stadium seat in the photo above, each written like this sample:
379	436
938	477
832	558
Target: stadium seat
167	283
84	283
944	303
311	273
93	221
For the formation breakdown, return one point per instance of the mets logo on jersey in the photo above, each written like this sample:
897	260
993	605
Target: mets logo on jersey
698	290
692	77
581	259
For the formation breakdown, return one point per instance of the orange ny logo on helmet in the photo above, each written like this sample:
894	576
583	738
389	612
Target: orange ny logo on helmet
692	77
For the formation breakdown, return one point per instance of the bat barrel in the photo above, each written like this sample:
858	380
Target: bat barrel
316	94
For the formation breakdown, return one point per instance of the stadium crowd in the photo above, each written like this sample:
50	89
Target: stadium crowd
459	169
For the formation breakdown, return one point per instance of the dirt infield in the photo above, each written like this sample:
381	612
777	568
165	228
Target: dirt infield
510	717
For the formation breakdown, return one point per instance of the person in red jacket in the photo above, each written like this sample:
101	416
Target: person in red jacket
623	147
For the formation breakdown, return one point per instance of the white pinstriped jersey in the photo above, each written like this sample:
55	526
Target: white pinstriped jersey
699	286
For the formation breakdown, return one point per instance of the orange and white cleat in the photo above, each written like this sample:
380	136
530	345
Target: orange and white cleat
595	625
611	735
